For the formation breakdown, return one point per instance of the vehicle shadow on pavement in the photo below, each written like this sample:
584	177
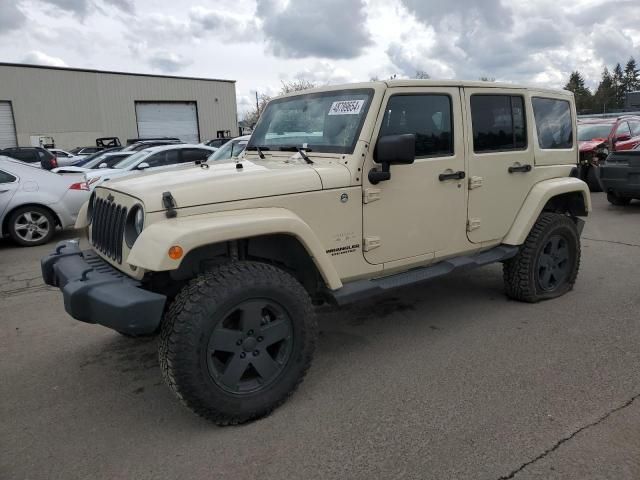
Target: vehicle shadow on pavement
130	365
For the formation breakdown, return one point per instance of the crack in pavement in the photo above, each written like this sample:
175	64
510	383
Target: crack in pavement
569	437
612	241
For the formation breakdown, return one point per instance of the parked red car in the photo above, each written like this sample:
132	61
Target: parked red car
599	136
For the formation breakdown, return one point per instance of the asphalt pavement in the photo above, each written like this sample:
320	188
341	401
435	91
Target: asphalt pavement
448	380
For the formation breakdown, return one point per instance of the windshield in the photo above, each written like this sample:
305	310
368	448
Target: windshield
133	160
229	150
589	131
326	121
89	158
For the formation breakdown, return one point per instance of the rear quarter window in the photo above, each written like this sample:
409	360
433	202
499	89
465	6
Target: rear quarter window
553	123
6	177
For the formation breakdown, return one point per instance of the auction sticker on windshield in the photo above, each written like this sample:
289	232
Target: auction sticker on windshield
346	107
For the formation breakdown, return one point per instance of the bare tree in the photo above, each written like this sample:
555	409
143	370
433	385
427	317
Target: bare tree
251	117
487	79
422	75
296	86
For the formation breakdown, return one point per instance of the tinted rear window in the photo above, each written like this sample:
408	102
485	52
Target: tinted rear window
498	123
553	123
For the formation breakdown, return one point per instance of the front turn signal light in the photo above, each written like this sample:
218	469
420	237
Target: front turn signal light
176	252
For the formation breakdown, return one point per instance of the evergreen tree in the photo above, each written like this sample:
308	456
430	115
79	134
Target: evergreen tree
631	80
605	96
618	85
580	91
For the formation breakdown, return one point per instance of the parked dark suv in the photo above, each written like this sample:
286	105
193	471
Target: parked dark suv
620	176
598	136
32	155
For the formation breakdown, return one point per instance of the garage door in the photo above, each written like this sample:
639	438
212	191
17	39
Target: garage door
168	119
7	128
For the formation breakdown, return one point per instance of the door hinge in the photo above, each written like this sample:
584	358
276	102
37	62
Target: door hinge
475	182
473	224
371	195
369	243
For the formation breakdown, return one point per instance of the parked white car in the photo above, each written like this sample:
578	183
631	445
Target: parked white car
64	158
232	149
150	160
33	201
105	160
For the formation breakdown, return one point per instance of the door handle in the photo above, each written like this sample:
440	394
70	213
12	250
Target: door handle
451	176
516	167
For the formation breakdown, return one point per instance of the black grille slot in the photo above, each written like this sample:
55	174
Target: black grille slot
107	232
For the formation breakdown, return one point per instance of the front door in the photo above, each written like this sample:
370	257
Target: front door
501	160
420	210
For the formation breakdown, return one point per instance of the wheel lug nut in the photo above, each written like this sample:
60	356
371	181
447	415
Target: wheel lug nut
260	339
250	332
242	355
239	342
256	353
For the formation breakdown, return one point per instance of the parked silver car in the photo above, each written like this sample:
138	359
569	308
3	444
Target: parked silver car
34	202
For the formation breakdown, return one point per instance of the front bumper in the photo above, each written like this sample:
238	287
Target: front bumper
623	179
95	292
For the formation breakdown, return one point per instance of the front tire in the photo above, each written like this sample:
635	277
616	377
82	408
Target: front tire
548	262
617	200
237	341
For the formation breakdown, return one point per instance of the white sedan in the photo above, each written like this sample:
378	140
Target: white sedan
151	160
34	202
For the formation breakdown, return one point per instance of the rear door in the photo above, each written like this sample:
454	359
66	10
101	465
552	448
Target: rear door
501	159
634	125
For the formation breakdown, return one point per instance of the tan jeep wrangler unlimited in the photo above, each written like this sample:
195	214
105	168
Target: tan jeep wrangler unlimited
344	192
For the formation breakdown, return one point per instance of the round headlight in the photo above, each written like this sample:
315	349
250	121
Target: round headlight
139	220
133	225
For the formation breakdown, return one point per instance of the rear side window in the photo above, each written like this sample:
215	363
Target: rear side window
427	116
553	123
168	157
498	123
6	177
26	155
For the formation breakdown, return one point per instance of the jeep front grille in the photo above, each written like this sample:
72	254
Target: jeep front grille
107	231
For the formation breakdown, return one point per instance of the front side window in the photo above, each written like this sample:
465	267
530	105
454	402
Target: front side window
427	116
6	177
623	129
498	123
229	150
323	122
553	123
635	128
195	154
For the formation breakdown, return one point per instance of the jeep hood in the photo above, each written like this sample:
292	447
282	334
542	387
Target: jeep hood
588	145
220	182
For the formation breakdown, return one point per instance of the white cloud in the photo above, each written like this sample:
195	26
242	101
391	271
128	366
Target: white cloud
35	57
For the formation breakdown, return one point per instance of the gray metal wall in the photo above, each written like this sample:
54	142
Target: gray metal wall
76	107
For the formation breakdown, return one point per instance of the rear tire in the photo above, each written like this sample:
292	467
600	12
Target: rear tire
31	226
592	180
617	200
237	341
548	262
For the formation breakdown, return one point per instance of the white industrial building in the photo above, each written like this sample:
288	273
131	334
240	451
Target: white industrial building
76	106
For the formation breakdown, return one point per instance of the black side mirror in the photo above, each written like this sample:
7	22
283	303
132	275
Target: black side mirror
390	150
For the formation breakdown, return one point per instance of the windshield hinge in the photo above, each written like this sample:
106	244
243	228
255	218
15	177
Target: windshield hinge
371	195
475	182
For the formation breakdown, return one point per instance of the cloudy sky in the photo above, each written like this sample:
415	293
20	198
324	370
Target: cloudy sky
260	43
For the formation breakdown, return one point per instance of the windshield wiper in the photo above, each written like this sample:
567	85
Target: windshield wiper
301	151
259	150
